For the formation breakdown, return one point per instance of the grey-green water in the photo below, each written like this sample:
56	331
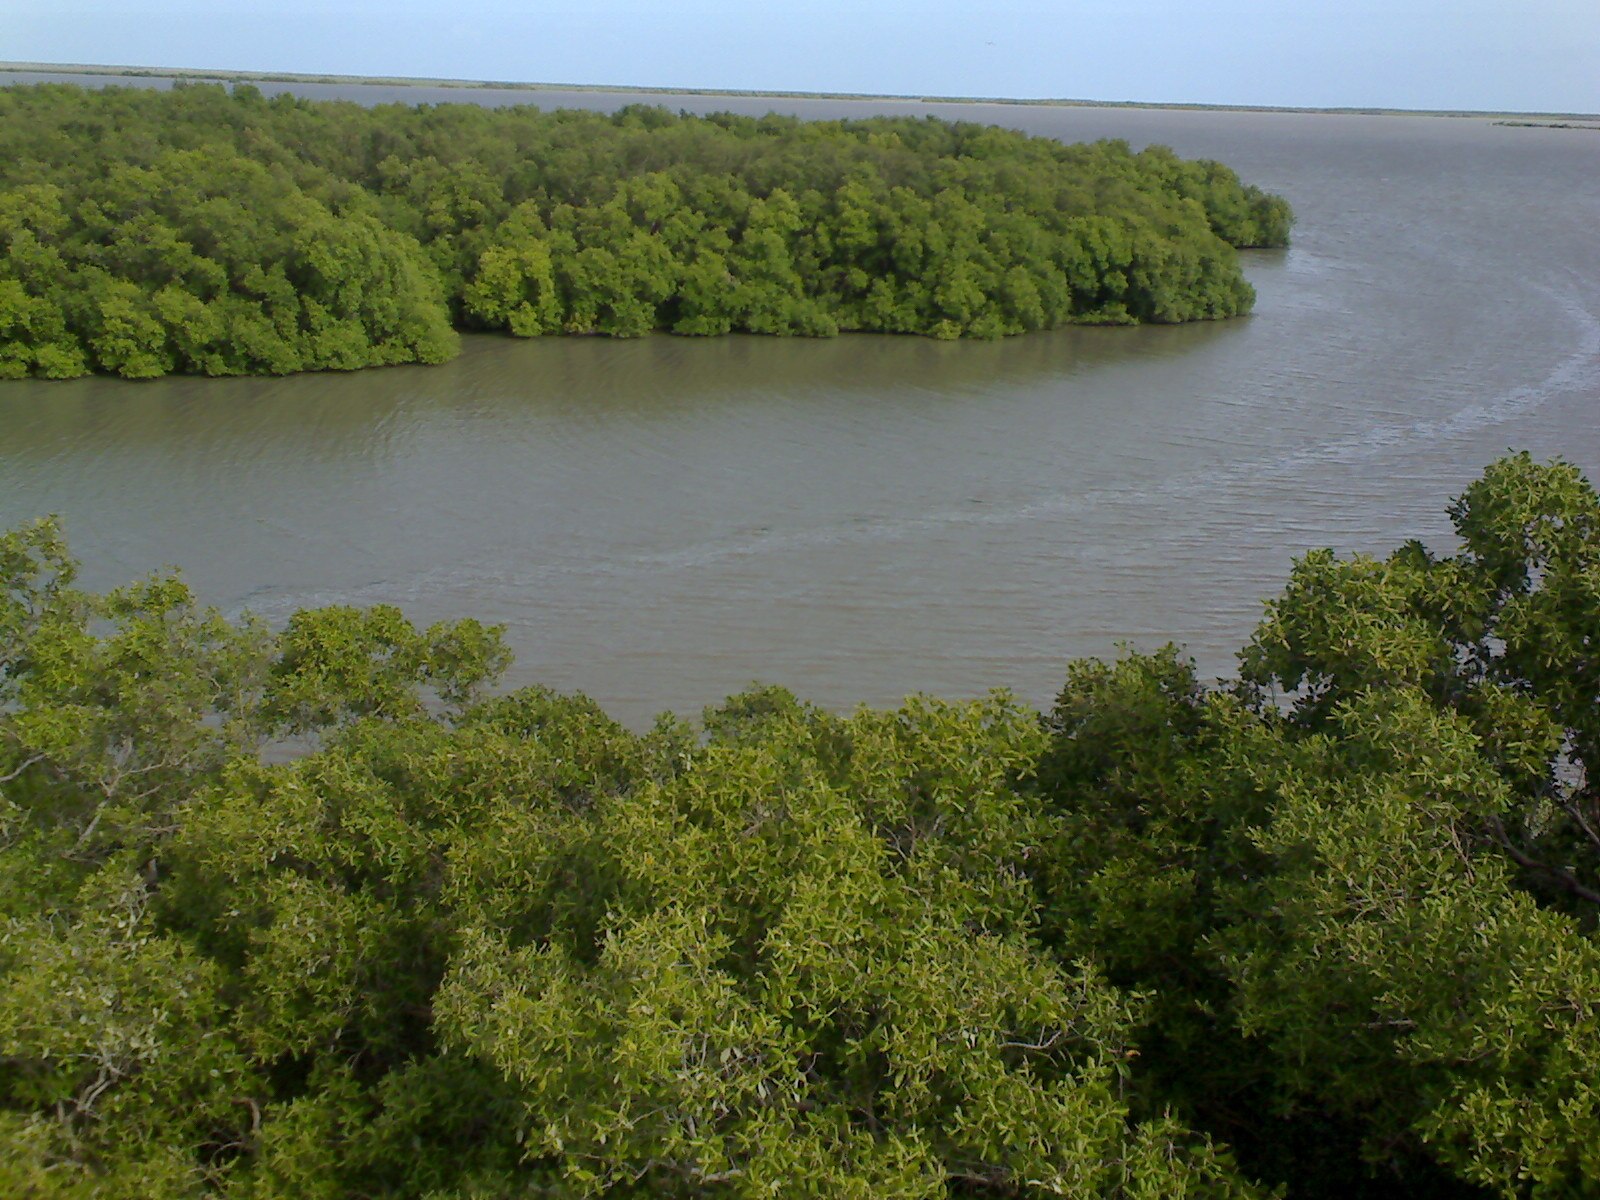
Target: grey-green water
658	522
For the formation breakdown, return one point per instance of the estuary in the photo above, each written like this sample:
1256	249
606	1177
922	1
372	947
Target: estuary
659	521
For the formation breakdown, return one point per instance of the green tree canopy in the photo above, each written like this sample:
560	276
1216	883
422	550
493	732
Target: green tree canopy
144	232
1328	929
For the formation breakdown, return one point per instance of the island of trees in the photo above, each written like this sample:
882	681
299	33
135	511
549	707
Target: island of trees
1326	931
221	233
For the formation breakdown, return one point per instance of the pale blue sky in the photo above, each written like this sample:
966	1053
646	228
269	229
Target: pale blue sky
1523	55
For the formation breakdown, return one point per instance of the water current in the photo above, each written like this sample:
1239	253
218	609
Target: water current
659	522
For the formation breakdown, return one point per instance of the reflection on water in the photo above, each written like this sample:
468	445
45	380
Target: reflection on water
334	413
659	521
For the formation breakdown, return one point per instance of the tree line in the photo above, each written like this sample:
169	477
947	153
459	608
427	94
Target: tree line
218	232
1326	930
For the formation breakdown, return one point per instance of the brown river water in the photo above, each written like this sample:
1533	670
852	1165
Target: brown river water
659	522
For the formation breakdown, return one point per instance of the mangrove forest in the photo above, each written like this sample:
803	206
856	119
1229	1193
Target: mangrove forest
219	232
316	911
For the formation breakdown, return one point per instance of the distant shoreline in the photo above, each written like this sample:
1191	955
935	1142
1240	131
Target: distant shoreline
189	73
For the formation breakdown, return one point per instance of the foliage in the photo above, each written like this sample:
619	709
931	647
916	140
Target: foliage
1367	878
1326	930
146	232
473	947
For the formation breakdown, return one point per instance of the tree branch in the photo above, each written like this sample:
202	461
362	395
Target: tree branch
1573	810
30	762
1561	876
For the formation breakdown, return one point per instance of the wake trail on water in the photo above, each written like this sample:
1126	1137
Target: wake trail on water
1577	371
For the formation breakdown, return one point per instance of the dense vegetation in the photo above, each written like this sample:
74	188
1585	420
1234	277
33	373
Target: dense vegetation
146	232
1330	930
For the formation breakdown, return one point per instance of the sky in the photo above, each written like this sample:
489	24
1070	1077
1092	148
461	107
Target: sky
1500	55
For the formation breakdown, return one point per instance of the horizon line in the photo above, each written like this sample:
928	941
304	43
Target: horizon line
244	76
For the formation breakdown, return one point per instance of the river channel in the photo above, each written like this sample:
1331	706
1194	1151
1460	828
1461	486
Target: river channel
659	522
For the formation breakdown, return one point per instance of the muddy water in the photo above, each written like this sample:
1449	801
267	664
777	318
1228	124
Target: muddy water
658	522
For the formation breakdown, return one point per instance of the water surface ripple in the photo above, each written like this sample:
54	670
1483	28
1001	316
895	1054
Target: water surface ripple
658	522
